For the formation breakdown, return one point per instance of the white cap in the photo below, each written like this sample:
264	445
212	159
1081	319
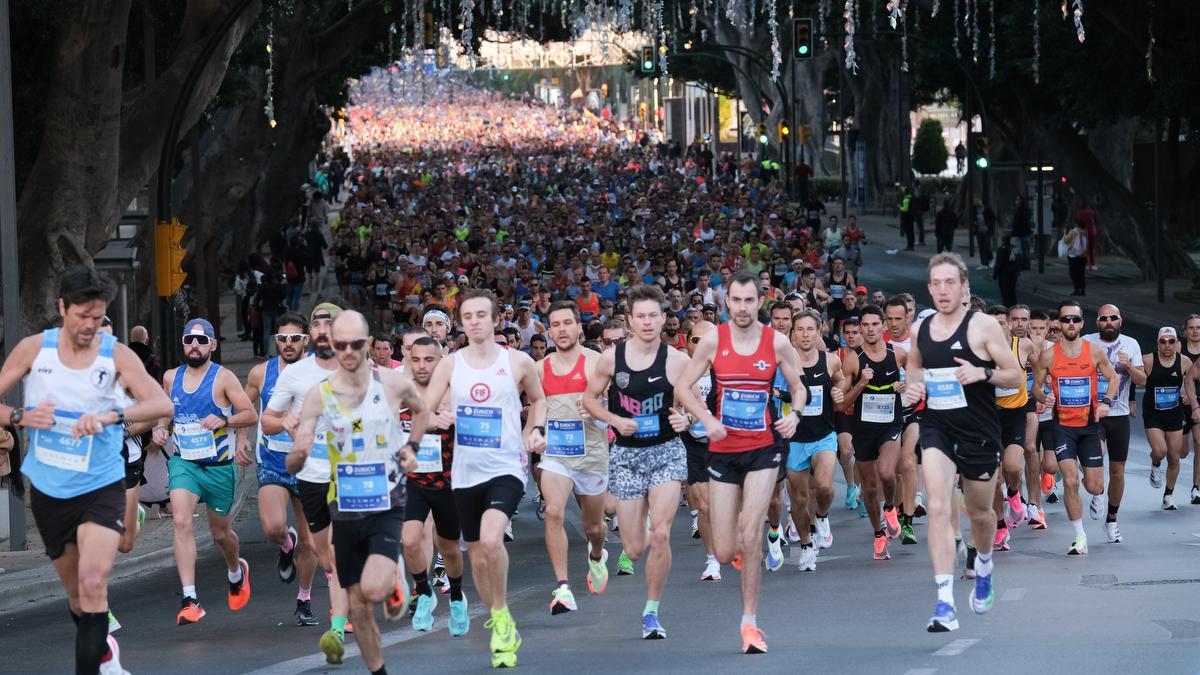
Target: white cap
1167	330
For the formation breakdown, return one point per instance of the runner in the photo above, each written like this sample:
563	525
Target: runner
960	432
436	323
74	410
813	452
1074	366
366	500
844	422
648	461
282	414
695	441
1190	347
485	385
276	487
1010	406
576	458
898	317
744	453
1162	410
430	498
877	426
1019	320
1122	353
780	314
615	332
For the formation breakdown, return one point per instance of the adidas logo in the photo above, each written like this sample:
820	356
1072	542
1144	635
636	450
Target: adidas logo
956	345
576	376
501	372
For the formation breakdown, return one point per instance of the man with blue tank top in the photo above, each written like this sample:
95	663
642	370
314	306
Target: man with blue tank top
276	487
74	413
209	401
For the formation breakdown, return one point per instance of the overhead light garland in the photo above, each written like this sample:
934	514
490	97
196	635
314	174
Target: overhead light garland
776	58
1077	11
848	45
269	108
1037	45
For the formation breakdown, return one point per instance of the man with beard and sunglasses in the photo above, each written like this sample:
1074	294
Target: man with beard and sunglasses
277	488
282	414
209	401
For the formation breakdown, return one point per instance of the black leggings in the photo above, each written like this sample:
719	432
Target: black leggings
1078	269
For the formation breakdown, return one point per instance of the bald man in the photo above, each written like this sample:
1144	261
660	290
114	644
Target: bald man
695	439
139	334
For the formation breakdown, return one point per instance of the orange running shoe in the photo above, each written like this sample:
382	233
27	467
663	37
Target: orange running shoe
892	522
239	593
190	611
881	549
753	640
396	603
737	562
1047	483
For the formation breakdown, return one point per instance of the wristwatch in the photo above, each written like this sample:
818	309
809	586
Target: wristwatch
1106	401
540	428
414	446
14	418
120	416
987	374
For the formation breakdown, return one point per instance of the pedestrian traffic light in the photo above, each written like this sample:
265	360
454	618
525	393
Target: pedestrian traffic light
168	256
982	148
802	38
761	132
648	59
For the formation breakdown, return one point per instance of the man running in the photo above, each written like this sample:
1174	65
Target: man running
485	384
1010	407
1189	346
844	421
436	323
1162	407
898	318
648	461
958	360
73	411
276	487
1074	367
695	441
367	460
1123	354
576	458
744	453
1019	320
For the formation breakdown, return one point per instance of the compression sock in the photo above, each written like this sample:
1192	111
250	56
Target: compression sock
456	593
91	641
945	588
651	607
1112	513
337	623
421	583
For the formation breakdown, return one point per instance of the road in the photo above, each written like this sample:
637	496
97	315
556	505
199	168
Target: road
1122	608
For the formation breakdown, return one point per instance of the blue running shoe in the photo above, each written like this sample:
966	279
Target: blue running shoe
983	597
423	618
862	509
652	629
852	495
944	619
460	621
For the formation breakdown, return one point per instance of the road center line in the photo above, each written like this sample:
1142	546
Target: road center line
955	648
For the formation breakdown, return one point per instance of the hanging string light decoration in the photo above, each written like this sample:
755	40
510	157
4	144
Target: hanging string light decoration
848	45
822	12
1037	45
904	37
933	12
733	12
269	108
662	36
1077	10
694	11
895	13
1150	46
468	34
916	15
1063	6
957	53
773	25
992	40
973	13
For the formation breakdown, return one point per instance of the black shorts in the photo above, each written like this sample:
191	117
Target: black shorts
58	519
1012	426
1114	431
974	460
314	498
843	423
869	437
914	417
1081	444
697	459
501	493
732	467
134	477
357	539
1170	421
419	503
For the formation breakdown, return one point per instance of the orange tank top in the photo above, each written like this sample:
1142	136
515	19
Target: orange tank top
1074	382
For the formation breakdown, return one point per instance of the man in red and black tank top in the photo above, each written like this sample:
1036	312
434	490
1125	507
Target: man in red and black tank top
744	456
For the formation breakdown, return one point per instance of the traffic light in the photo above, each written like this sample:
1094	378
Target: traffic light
982	148
802	38
168	256
784	130
761	131
648	59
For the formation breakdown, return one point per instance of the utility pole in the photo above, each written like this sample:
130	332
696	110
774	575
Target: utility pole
1158	225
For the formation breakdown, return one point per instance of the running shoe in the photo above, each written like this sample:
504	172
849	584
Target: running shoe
712	571
852	494
808	559
1097	507
333	644
239	593
891	522
304	614
562	601
394	604
791	533
862	509
736	563
508	533
1052	498
190	611
1002	542
907	535
441	581
537	498
881	549
1038	521
286	565
505	642
1113	533
943	620
1014	512
1169	503
460	620
141	515
1047	483
624	566
1031	512
651	628
824	538
1156	475
753	640
422	619
597	577
695	527
960	549
111	665
1079	547
919	506
984	596
439	565
1195	494
413	596
113	624
774	557
616	526
969	568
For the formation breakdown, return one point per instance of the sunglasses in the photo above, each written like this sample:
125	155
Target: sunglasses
290	337
608	342
352	345
1070	318
502	343
196	340
1168	341
1109	317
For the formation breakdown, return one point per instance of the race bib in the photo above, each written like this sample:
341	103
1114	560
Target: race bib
816	402
1001	392
429	454
55	446
478	426
878	408
382	289
647	426
362	487
564	438
943	391
837	291
194	442
1166	398
1074	392
280	443
744	410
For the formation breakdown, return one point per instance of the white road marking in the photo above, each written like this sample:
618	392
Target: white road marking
920	671
1013	594
955	648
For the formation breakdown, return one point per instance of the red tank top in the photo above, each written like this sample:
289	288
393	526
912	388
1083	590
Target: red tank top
574	382
1074	382
742	385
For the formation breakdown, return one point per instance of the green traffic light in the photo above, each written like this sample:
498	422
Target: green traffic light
506	76
647	65
981	162
803	50
763	139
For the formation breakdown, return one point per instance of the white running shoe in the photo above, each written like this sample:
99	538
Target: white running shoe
695	527
508	533
1098	506
1031	512
808	559
791	533
1113	532
824	538
1195	494
1169	503
1156	476
774	558
712	571
111	665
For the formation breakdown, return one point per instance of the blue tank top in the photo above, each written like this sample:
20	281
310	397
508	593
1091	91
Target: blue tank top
192	442
273	449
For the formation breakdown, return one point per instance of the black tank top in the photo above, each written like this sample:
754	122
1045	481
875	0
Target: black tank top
1160	396
646	396
816	419
879	397
1192	356
964	412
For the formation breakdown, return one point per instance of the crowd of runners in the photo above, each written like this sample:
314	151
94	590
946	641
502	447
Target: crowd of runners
528	294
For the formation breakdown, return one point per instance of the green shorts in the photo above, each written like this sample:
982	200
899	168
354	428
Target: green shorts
214	484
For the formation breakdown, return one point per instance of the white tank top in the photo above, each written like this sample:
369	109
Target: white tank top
526	333
487	424
363	445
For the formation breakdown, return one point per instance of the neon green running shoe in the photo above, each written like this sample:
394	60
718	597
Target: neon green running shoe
624	566
333	644
113	624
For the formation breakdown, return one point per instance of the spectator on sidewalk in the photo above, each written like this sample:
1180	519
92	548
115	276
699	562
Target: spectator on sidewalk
960	157
245	285
1085	217
1076	243
268	305
907	217
1007	270
944	225
803	173
297	260
920	207
984	222
1022	227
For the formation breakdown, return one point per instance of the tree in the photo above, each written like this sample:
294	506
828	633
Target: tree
929	150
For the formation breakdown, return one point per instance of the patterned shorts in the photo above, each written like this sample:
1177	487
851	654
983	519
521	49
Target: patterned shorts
632	472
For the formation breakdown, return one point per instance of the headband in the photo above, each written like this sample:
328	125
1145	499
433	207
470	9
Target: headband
436	314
